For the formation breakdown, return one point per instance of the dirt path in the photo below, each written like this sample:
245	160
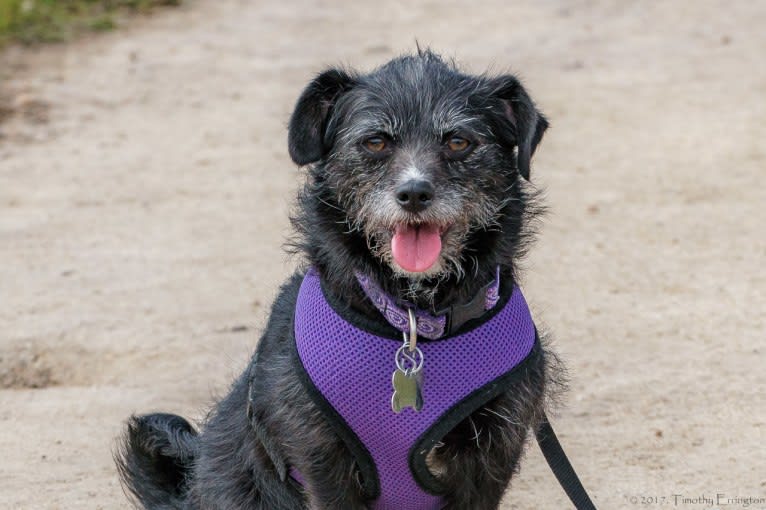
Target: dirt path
144	195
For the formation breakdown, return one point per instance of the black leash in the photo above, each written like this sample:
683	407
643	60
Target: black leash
561	467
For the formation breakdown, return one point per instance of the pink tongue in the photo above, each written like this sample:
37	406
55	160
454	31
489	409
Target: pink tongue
416	249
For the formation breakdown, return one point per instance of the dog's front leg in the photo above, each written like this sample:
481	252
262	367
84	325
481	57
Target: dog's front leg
481	454
299	441
331	478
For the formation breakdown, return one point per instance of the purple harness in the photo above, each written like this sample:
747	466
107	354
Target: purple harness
348	372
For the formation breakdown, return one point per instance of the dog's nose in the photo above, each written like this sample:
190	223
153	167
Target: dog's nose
415	195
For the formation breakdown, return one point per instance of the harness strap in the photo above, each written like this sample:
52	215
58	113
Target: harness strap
561	467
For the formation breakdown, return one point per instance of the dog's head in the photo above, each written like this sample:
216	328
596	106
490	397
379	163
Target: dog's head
417	170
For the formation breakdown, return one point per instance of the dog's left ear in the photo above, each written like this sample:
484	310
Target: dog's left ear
521	124
307	139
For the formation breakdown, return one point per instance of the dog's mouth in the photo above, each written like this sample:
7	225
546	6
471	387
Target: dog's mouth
416	248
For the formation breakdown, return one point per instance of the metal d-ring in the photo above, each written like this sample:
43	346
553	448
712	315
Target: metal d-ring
413	340
409	353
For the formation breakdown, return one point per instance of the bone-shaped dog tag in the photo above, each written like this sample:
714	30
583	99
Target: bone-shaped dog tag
406	390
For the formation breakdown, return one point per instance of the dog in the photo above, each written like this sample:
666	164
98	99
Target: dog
417	200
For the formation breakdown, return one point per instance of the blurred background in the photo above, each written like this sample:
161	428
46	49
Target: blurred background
145	189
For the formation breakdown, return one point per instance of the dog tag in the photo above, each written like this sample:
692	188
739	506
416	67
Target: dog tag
406	390
407	379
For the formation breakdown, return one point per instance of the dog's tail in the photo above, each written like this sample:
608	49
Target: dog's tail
155	458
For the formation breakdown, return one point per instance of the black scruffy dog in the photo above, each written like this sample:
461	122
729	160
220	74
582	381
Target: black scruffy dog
415	147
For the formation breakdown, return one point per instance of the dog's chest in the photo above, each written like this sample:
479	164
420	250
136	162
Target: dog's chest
349	373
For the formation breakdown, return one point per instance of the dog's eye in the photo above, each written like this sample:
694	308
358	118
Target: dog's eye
375	144
458	144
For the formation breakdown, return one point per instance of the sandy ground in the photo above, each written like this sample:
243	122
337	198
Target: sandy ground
145	186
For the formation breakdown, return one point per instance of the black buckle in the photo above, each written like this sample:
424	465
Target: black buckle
457	315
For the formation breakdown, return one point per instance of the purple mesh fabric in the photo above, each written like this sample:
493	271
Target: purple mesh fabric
352	369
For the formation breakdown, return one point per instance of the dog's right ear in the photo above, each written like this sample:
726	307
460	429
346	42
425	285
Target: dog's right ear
307	139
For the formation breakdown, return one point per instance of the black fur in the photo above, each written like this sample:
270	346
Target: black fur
344	220
156	456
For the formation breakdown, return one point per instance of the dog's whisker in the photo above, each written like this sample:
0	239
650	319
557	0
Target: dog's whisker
328	204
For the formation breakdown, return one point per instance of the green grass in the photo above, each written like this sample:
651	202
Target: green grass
36	21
